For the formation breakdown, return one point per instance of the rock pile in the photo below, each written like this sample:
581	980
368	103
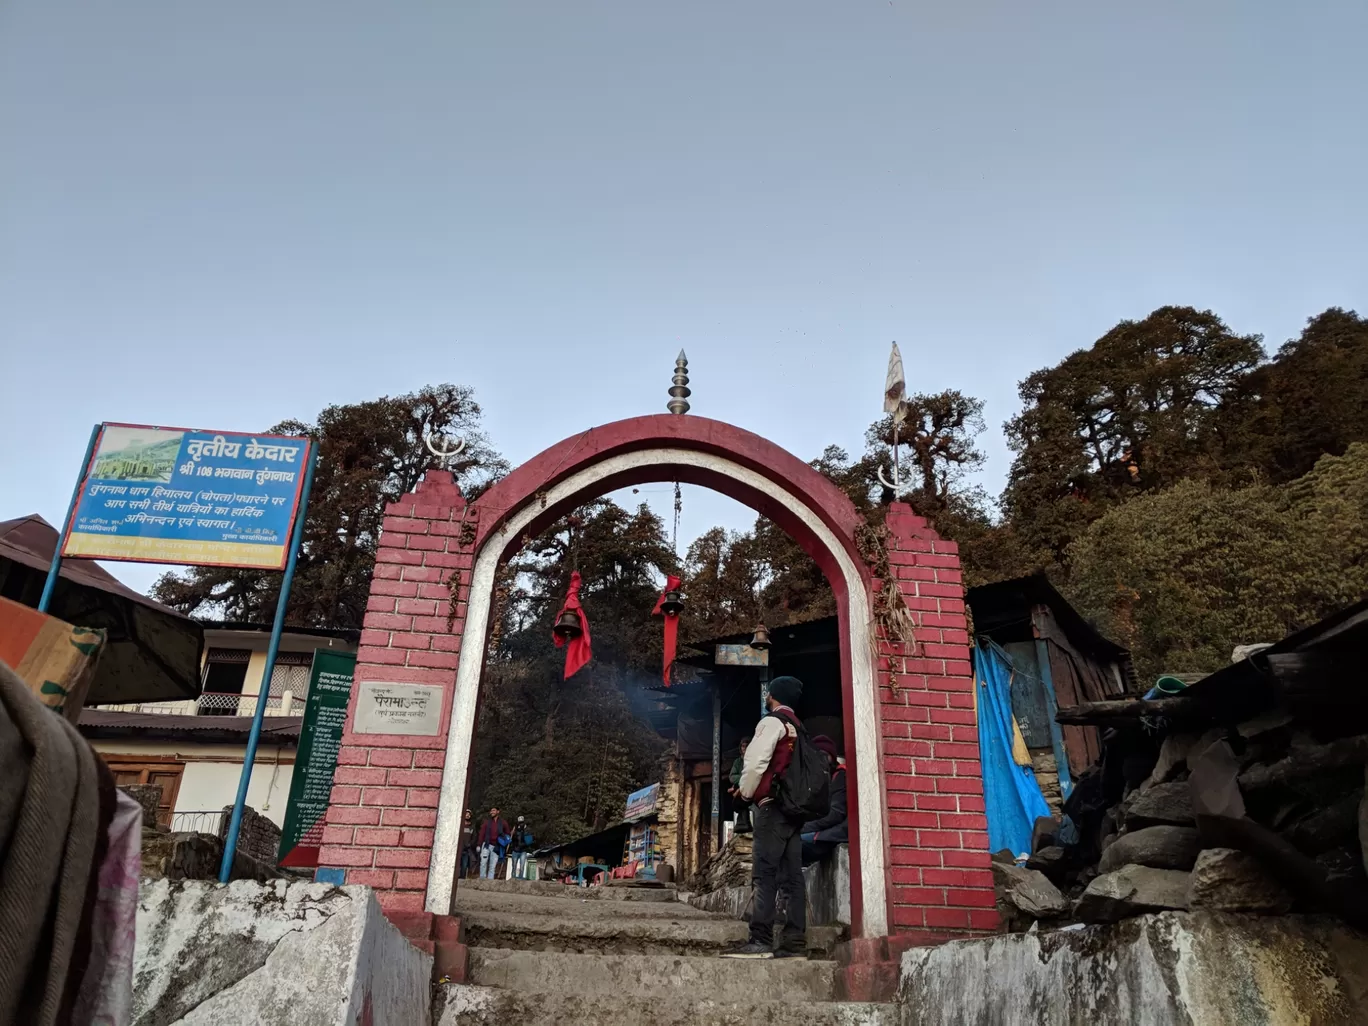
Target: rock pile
1260	818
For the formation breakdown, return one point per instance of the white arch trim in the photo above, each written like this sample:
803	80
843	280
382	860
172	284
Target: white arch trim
868	791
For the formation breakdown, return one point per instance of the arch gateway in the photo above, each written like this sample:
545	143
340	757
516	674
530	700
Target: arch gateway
920	868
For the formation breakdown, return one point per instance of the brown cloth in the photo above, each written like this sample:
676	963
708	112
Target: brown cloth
53	822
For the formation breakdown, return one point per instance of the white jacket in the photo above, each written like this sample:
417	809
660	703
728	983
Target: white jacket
768	733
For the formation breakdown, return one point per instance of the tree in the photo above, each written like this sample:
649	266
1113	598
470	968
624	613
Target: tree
369	454
1311	399
724	579
1136	412
1182	575
792	587
566	753
939	434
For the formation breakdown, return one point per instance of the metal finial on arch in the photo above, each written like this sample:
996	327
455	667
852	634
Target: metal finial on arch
444	456
679	390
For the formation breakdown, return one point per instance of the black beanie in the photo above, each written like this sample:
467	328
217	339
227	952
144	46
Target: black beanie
786	690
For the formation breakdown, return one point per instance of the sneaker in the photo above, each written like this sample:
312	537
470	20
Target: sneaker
789	953
751	949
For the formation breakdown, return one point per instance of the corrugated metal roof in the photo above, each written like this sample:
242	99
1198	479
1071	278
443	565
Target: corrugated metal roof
97	723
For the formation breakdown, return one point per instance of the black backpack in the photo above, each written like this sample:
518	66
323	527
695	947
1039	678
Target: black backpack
804	791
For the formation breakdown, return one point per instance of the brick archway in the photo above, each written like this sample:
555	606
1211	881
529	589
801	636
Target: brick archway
918	839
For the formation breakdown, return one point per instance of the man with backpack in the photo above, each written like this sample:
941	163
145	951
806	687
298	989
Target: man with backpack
786	779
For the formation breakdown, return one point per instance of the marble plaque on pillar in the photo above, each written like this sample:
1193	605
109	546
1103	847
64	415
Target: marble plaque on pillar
383	708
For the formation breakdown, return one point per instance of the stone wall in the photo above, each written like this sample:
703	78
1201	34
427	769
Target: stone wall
828	889
248	954
259	837
149	797
191	856
1171	969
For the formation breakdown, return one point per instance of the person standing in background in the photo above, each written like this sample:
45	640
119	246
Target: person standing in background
469	856
743	823
492	830
519	847
821	836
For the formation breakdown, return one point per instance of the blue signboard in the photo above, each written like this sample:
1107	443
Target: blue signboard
643	803
173	495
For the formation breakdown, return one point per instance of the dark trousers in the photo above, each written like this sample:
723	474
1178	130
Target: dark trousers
777	868
815	851
743	816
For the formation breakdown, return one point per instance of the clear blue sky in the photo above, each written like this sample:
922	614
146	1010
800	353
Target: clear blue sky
221	215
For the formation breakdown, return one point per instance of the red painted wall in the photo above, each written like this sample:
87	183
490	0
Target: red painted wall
942	880
384	797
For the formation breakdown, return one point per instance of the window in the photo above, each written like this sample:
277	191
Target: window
225	673
291	673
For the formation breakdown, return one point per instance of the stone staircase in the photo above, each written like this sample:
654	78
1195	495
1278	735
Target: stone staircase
542	953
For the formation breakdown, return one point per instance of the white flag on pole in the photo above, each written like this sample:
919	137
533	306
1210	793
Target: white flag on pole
895	385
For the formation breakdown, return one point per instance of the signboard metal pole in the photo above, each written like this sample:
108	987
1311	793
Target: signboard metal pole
264	690
50	585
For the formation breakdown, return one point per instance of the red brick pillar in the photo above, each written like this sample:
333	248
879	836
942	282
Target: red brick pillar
384	797
941	876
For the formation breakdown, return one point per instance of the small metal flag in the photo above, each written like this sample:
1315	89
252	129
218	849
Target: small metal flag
895	385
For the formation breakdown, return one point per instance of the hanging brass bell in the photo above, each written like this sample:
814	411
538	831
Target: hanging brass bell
568	625
673	603
761	639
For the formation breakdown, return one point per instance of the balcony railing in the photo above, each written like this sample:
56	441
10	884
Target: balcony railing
214	703
207	822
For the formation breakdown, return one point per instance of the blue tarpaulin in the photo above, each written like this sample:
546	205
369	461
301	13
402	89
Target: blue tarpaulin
1010	792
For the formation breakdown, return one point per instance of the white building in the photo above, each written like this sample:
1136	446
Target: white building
194	749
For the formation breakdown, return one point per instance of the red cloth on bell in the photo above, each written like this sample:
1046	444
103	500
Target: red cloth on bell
578	651
672	583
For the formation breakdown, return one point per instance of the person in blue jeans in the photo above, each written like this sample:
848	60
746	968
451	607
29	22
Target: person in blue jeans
490	841
518	848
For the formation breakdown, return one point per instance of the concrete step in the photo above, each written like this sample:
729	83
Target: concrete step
548	889
471	1005
530	922
671	980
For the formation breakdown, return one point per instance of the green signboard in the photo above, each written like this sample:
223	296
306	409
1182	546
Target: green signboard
320	737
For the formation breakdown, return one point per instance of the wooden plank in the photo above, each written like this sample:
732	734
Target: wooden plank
1128	710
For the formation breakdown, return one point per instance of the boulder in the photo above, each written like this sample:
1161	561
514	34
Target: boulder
1048	860
1172	760
1029	891
1131	891
1044	833
1159	847
149	797
1227	880
1169	803
1363	821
